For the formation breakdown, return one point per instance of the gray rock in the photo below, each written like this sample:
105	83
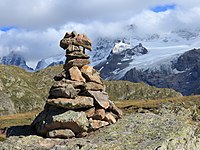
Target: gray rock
66	133
49	120
93	86
76	62
101	98
90	74
68	91
77	103
65	82
96	124
114	109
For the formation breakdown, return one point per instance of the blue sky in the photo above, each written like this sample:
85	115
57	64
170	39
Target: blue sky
7	28
162	8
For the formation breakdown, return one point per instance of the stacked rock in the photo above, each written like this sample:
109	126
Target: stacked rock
77	102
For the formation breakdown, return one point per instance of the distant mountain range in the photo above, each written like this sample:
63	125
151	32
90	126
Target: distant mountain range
163	60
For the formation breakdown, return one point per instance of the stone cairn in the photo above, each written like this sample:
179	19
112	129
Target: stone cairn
77	102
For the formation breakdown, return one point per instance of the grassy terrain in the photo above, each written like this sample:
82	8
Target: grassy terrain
22	91
127	106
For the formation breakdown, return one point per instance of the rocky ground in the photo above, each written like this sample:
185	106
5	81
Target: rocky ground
169	127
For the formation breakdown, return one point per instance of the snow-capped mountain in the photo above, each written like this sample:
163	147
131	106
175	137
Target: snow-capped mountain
160	66
52	61
16	59
151	58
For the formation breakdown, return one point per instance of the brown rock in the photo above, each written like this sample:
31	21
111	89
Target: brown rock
113	108
76	55
90	74
94	86
77	103
101	98
99	114
75	74
76	62
61	133
59	76
96	124
68	91
65	82
110	118
67	44
90	112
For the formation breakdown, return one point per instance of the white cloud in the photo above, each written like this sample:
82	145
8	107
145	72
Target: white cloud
42	23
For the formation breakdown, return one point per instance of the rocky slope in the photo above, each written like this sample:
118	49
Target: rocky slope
18	88
171	127
183	77
13	58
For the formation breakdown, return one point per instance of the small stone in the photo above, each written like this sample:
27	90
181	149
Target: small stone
99	114
90	112
77	103
96	124
94	86
76	62
59	76
101	98
68	91
61	133
110	118
76	75
113	108
90	74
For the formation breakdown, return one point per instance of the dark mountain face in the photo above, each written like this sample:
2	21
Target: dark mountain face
181	74
187	81
119	61
16	60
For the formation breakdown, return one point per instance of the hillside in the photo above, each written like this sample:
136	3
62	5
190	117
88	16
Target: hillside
24	91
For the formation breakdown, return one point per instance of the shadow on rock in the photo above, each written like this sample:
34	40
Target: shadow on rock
25	130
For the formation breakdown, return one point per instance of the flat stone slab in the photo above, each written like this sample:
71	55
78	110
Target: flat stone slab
94	86
65	82
61	133
101	98
76	62
77	103
96	124
67	91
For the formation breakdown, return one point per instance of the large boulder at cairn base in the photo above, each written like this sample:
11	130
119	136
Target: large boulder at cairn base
58	118
77	103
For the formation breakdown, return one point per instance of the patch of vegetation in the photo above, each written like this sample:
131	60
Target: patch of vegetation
125	90
188	102
28	91
18	119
